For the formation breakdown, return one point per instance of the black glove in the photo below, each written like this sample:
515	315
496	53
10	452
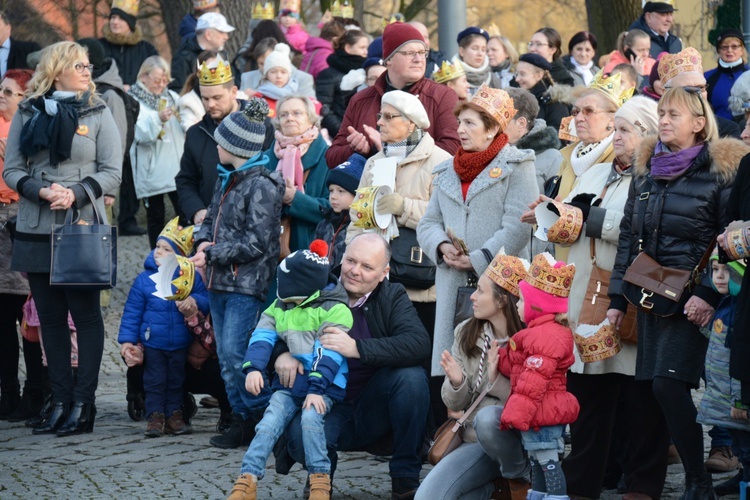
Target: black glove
583	201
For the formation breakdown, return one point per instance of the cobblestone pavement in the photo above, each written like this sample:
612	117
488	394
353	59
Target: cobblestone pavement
116	460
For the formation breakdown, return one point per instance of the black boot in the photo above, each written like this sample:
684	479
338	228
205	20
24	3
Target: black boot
31	402
404	488
225	421
240	432
43	414
56	418
80	420
699	489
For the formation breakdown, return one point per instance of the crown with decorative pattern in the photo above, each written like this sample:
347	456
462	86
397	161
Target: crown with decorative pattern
497	103
395	18
448	72
182	238
129	7
544	276
671	65
264	10
175	278
604	344
215	73
612	87
507	271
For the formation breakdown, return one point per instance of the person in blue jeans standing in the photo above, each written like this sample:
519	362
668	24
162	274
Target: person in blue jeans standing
238	245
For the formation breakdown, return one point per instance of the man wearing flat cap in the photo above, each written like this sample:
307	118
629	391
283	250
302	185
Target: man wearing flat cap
656	21
405	56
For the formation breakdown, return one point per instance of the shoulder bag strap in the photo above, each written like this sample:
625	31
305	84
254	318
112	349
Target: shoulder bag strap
98	219
591	240
473	406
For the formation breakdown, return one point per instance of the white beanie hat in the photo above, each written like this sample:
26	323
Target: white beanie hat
640	112
279	58
409	105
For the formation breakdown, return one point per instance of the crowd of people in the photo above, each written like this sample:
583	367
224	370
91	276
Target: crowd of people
373	239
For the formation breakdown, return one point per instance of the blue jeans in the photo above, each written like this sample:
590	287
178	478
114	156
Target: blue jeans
163	379
720	437
394	399
280	411
235	316
504	447
549	437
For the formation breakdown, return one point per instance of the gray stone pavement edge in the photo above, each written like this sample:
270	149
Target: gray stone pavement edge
117	461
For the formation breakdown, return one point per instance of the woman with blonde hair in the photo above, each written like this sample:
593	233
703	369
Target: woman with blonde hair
62	141
158	145
503	58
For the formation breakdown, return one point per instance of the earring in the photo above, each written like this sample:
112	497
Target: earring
489	136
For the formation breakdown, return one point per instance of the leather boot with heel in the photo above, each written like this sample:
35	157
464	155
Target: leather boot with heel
56	419
80	420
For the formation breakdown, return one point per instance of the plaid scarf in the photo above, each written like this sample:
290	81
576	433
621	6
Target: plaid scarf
402	149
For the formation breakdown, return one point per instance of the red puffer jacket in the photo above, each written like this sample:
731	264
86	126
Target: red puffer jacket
536	360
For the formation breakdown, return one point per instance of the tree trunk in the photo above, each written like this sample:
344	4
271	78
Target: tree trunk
238	14
413	8
172	12
608	18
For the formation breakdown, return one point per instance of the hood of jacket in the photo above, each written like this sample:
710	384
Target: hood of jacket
131	38
344	62
540	138
111	75
725	156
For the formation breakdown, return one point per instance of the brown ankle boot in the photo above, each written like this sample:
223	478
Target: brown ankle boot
518	488
245	488
320	487
176	424
155	426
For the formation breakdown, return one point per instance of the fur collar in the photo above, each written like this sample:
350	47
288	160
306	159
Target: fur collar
131	38
540	138
725	155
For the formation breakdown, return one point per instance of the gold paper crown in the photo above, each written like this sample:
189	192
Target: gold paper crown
507	271
604	344
182	238
547	278
264	10
494	30
336	8
204	4
219	72
363	207
448	72
395	18
127	6
567	229
183	283
612	88
347	11
671	65
497	103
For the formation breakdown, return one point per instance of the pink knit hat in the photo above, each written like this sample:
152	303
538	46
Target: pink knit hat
546	288
396	35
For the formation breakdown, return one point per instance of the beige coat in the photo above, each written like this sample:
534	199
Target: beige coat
611	210
461	397
413	182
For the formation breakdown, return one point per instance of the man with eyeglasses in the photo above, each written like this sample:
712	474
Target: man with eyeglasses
404	53
730	46
13	52
657	20
685	69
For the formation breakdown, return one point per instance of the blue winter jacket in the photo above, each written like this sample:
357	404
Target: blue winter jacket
156	322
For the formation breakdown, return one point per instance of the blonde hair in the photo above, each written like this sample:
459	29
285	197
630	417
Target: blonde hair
54	60
605	102
627	39
155	62
510	50
696	105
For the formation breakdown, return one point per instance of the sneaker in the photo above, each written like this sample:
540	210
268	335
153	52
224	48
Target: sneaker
245	488
240	432
155	427
176	424
721	459
320	487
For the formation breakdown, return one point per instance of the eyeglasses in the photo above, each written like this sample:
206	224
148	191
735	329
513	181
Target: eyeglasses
586	111
537	44
387	116
409	54
296	114
7	92
80	67
730	47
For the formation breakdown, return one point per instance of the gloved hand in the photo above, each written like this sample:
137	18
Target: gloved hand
391	204
583	201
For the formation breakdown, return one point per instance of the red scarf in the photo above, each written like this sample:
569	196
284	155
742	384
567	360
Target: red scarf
469	164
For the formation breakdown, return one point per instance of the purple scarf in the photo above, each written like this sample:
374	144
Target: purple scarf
666	165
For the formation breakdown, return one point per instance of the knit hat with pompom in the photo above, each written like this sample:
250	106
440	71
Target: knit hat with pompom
242	133
302	273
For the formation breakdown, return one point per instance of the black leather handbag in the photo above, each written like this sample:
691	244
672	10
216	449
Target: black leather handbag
84	256
410	265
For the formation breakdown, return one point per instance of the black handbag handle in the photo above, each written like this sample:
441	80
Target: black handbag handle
98	219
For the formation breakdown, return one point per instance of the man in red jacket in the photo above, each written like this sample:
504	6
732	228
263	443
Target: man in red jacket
404	53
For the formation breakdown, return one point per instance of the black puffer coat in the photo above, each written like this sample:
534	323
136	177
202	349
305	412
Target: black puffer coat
128	51
328	88
681	219
551	110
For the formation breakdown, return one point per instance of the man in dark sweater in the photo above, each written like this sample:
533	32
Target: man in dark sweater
387	392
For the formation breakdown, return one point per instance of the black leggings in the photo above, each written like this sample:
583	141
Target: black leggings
680	413
11	314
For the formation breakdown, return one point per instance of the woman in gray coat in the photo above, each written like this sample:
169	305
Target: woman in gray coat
480	195
62	138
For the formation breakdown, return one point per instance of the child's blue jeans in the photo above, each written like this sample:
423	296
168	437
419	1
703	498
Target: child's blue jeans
546	438
281	409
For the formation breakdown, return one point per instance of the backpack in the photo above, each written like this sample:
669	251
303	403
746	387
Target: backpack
132	107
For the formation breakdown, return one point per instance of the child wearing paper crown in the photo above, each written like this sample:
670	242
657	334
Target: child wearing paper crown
310	302
536	360
277	81
153	318
342	183
721	404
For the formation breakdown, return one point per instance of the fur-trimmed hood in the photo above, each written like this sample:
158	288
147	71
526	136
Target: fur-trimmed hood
131	38
540	138
725	155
